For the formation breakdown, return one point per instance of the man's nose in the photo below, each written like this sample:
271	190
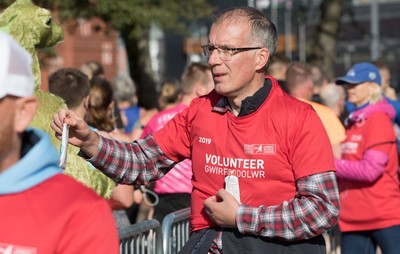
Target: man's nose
214	57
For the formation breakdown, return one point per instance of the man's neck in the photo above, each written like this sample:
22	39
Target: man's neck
236	101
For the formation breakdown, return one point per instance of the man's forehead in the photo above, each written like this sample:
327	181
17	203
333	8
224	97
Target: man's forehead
227	33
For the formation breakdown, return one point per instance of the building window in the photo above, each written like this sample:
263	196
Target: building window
85	28
106	53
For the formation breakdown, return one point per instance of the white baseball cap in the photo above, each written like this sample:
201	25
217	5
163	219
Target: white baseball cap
16	76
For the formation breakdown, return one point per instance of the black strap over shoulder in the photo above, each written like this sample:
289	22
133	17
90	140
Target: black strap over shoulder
199	242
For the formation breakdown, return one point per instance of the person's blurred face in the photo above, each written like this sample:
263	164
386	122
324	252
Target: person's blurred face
7	135
358	94
210	84
16	114
385	76
342	99
233	77
205	88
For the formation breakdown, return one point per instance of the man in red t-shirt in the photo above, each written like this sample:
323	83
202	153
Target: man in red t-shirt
263	174
42	210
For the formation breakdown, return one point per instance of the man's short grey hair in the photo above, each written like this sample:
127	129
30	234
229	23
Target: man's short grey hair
262	28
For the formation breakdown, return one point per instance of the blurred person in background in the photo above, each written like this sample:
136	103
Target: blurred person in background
73	87
101	105
389	93
319	81
367	171
334	97
42	210
278	67
100	117
384	71
133	116
300	85
390	96
93	69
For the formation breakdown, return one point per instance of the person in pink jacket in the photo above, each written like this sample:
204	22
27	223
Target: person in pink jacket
41	209
367	171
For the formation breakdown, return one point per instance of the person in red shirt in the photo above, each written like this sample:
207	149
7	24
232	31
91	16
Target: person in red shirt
263	173
367	171
42	210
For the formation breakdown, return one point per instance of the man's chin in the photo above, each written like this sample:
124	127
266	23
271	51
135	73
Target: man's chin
219	89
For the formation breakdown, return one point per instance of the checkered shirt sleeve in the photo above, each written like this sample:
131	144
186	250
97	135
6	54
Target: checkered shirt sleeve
138	162
313	210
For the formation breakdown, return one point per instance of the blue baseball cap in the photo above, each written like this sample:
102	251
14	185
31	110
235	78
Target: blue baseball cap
359	73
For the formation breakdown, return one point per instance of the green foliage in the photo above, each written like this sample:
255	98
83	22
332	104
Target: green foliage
29	25
134	16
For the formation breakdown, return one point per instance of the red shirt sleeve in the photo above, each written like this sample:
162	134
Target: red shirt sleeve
174	137
307	156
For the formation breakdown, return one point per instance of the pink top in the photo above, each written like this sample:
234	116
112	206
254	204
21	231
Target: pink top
178	179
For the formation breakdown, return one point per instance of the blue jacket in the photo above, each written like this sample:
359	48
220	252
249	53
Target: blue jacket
38	163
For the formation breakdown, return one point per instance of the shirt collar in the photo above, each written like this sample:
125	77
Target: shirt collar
249	105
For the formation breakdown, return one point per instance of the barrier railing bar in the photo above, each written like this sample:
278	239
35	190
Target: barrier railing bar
169	229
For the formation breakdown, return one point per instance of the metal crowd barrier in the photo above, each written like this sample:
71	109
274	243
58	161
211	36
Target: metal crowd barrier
141	238
332	240
149	237
175	230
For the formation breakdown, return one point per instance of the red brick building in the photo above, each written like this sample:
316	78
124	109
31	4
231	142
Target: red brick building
83	41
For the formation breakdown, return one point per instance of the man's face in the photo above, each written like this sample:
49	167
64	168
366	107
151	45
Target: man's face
7	135
233	77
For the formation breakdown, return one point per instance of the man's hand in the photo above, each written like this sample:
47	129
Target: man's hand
80	134
221	209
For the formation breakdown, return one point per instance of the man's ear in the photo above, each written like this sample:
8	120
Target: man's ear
25	111
86	102
262	58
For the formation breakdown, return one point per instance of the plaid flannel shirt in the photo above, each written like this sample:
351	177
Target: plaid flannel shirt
313	210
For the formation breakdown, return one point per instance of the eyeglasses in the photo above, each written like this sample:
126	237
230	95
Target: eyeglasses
225	53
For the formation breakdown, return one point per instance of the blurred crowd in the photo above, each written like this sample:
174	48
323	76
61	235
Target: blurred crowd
359	110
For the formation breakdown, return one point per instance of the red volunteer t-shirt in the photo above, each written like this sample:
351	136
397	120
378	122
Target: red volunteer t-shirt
366	206
267	150
58	215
